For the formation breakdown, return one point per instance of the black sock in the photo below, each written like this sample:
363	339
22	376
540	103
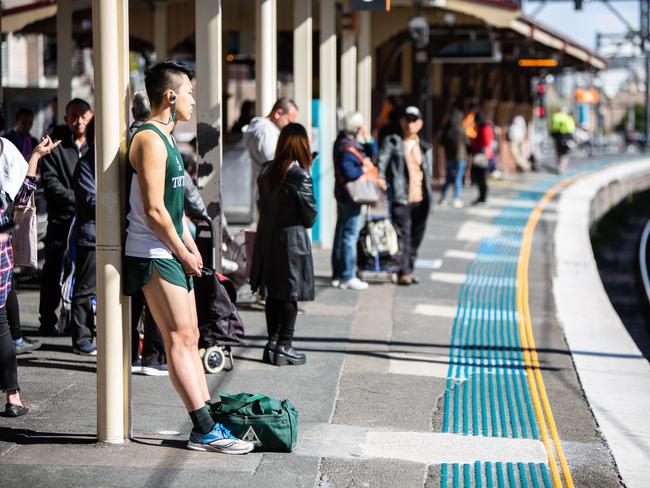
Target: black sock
202	420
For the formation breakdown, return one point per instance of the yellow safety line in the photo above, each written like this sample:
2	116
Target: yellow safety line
531	360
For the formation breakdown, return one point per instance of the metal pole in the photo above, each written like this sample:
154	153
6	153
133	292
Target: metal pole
63	55
160	29
209	108
302	60
645	39
110	41
327	122
349	71
266	76
364	67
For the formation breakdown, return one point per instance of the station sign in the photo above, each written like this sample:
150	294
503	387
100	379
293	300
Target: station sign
369	5
538	63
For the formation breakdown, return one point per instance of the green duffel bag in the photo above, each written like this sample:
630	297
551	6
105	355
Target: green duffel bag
266	422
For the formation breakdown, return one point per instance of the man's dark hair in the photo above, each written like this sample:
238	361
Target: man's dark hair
77	101
285	104
160	77
24	112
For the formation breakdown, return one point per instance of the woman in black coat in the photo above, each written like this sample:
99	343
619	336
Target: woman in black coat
282	260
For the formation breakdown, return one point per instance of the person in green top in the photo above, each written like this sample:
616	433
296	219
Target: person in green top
161	256
562	128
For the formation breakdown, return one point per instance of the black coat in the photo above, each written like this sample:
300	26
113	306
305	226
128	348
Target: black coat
282	260
85	196
57	170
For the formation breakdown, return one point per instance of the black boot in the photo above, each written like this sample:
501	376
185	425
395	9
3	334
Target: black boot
269	352
285	355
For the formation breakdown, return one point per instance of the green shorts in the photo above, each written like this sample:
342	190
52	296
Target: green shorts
138	271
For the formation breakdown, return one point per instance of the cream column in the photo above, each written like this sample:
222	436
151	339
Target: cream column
302	60
327	120
63	55
160	29
209	110
111	57
364	67
266	76
349	71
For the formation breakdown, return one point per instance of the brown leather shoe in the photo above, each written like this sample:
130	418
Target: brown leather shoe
405	280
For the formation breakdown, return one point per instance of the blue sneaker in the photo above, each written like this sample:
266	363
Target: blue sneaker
219	439
85	349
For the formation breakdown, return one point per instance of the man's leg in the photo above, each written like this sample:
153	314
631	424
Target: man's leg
84	290
153	347
170	306
137	305
458	181
50	296
419	216
401	216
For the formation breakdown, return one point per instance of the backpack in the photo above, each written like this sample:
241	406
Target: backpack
378	244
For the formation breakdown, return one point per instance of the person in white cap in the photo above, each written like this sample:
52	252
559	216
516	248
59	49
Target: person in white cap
405	164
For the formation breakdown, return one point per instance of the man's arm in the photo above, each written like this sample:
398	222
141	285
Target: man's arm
148	155
266	145
385	154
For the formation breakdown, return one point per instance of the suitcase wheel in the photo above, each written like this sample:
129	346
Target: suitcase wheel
214	359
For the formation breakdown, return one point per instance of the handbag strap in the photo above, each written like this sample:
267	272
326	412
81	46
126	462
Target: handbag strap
355	151
237	403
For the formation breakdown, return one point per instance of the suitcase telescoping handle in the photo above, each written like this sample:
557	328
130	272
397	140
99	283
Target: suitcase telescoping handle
210	225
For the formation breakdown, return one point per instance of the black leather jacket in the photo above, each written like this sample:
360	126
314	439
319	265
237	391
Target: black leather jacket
282	260
392	167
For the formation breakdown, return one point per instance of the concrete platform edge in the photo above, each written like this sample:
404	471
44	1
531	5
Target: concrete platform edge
614	374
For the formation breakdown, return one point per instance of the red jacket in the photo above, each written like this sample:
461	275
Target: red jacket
484	141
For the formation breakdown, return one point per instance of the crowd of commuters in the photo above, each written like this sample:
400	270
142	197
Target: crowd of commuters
161	256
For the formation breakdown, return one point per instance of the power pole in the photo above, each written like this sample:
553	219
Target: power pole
645	44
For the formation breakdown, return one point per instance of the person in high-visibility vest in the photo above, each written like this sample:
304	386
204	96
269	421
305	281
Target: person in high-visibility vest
562	128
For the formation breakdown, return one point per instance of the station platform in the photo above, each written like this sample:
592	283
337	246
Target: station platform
474	377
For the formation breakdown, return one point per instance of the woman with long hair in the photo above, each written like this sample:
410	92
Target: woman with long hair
282	262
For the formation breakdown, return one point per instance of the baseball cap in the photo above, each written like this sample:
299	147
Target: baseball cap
412	111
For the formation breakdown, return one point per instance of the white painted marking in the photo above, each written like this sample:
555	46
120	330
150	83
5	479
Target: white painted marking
484	212
447	311
458	254
460	278
443	311
353	442
437	448
454	278
418	365
428	263
476	231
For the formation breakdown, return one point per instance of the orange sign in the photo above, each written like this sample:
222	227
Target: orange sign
538	63
589	96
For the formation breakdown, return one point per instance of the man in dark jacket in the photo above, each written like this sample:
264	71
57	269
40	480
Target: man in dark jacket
405	166
83	314
57	169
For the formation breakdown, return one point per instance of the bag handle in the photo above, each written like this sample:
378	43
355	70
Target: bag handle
237	403
354	150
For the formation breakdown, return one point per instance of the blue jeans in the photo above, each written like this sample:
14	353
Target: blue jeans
455	174
344	250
